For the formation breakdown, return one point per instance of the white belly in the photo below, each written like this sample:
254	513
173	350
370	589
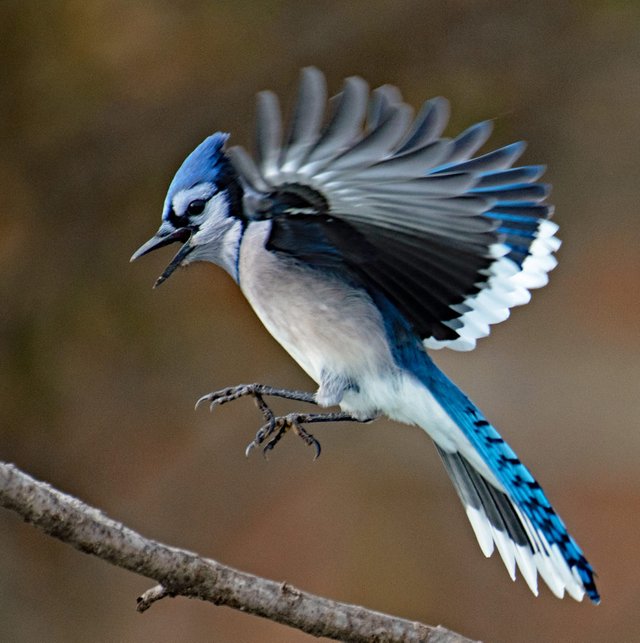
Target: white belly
328	326
324	324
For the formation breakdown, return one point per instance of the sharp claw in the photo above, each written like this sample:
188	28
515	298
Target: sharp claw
277	425
200	401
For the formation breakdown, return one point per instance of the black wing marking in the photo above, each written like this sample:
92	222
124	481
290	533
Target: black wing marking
453	240
418	274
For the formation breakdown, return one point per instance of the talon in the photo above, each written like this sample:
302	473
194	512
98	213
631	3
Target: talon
214	399
272	443
307	437
203	399
276	426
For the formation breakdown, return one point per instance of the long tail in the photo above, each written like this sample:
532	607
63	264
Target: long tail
505	504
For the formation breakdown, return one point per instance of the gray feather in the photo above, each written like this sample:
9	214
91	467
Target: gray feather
346	124
268	132
380	105
246	168
428	126
466	144
307	118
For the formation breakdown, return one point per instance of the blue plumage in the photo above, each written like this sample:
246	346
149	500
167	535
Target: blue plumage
362	242
514	476
503	462
204	165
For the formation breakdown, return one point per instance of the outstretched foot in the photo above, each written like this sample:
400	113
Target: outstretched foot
224	395
270	433
277	425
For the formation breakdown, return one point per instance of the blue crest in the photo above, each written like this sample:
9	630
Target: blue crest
204	165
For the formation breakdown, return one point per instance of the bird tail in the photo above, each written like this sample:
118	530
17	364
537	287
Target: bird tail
506	506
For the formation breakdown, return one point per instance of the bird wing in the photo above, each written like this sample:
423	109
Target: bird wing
453	240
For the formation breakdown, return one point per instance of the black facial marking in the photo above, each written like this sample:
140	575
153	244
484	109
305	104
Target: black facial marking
177	221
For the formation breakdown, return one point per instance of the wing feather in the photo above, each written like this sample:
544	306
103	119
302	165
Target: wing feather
428	126
268	133
307	119
466	144
405	166
344	128
376	144
428	187
381	105
454	240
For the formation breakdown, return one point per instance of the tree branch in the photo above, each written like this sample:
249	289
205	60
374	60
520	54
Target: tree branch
181	572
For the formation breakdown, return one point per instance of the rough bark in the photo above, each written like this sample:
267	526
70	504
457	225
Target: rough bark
183	573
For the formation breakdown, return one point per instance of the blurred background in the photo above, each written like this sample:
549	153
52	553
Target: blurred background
99	103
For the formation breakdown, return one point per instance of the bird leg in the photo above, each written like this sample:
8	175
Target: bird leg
275	427
224	395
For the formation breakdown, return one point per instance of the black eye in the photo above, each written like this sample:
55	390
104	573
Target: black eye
195	207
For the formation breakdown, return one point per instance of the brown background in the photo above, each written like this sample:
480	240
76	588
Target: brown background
100	101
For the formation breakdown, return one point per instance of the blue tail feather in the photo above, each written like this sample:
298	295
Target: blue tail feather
519	485
509	470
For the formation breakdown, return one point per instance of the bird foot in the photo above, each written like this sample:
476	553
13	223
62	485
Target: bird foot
230	393
270	433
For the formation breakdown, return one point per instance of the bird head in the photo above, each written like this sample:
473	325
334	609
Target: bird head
199	211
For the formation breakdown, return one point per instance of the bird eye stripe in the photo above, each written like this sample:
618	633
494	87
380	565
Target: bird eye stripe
177	221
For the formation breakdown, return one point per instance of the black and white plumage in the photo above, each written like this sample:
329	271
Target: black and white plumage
459	240
362	240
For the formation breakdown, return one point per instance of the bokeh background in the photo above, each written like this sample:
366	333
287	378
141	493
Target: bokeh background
100	101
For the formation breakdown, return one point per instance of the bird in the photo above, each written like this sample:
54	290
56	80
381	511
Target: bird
363	239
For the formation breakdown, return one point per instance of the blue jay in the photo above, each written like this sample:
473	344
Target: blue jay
364	241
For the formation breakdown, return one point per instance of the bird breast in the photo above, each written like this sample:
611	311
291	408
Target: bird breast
326	325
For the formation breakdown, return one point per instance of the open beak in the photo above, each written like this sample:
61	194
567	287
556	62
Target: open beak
164	239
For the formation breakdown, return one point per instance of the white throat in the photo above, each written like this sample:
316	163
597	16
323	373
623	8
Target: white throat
218	237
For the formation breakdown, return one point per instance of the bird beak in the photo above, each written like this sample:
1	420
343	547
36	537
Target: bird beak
164	239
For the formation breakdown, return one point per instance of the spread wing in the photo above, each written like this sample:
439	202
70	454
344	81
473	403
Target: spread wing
452	239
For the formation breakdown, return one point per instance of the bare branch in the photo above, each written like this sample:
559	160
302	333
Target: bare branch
183	573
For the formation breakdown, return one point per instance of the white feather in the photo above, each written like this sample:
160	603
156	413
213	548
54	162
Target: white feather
527	567
508	286
482	529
